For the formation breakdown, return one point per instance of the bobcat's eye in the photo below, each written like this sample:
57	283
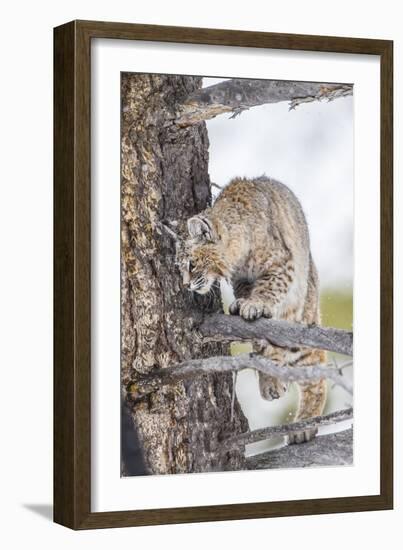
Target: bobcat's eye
191	266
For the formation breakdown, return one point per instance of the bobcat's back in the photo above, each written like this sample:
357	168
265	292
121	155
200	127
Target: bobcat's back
262	226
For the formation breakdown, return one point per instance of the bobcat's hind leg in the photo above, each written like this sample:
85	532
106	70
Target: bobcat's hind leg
312	403
312	398
270	387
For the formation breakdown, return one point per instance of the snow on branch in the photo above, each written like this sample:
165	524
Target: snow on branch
335	449
237	95
279	333
284	429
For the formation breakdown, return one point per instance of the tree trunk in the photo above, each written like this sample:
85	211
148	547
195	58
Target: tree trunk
165	178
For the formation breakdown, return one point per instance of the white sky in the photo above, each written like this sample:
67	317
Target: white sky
310	149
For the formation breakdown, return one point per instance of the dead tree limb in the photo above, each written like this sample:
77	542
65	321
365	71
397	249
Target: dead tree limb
237	95
220	327
334	449
284	429
224	364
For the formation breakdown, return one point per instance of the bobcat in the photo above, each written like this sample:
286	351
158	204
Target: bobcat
256	237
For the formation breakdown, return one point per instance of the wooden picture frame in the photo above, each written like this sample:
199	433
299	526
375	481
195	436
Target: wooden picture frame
72	253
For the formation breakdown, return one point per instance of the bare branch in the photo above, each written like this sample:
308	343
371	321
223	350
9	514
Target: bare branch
279	333
334	449
237	95
221	364
330	94
170	232
284	429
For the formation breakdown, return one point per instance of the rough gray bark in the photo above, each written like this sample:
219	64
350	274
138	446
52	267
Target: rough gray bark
200	367
237	95
165	176
325	450
280	333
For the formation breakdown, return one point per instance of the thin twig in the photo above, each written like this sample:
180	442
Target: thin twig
174	235
216	185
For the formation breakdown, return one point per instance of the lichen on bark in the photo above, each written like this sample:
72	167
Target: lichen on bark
164	177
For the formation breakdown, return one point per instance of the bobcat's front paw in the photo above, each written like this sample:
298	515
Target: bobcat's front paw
250	309
234	307
302	437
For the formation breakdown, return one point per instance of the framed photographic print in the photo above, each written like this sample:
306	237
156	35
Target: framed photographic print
223	226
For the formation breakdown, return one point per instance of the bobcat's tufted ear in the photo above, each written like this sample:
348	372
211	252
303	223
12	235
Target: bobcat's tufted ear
201	227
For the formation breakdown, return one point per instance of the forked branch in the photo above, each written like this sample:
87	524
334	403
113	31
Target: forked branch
222	364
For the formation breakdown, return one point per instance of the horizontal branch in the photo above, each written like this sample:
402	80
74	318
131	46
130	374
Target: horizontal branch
284	429
237	95
334	449
279	333
222	364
